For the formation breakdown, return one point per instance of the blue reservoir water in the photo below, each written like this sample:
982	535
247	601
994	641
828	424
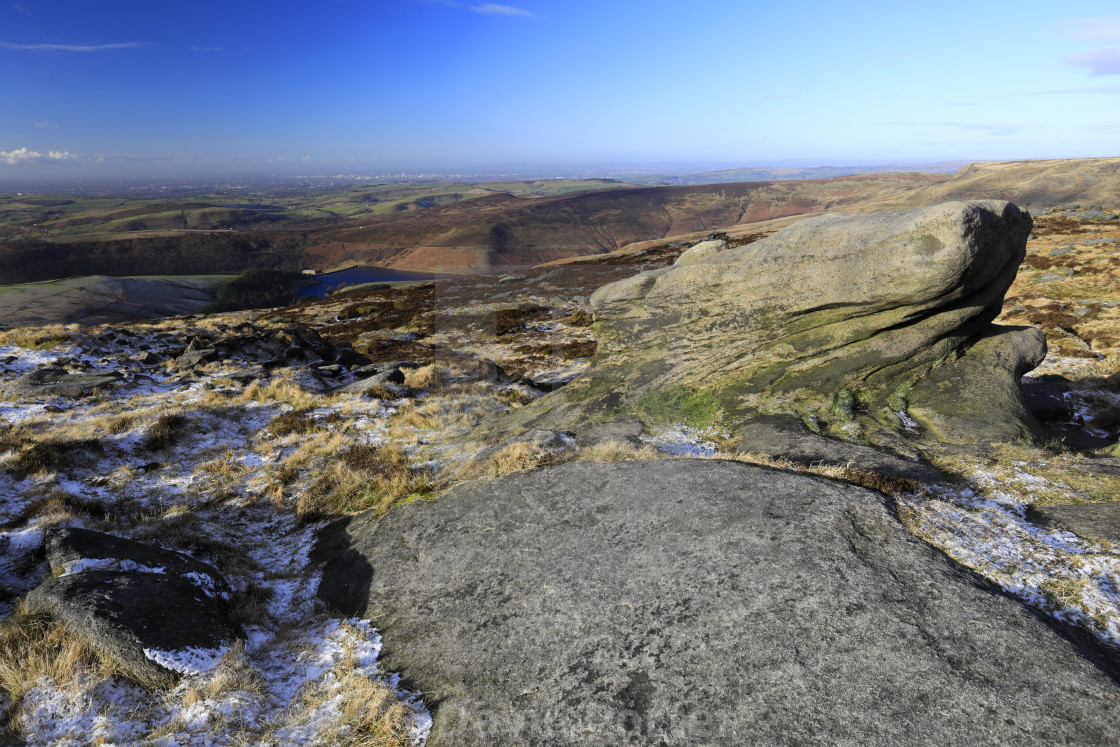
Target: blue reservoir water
360	274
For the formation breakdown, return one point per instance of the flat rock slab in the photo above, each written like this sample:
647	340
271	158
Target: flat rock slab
1098	521
692	602
50	381
786	437
123	614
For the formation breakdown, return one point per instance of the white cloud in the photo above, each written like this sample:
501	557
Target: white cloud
23	155
208	49
1102	29
501	10
46	124
21	9
69	47
1101	61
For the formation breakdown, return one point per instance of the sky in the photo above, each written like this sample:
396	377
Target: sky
341	86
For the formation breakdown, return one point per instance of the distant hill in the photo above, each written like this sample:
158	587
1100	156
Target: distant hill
1030	184
502	230
764	174
447	227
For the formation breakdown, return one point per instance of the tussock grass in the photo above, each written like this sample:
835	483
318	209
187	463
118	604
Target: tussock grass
34	646
284	390
226	468
371	715
235	673
363	477
425	377
848	473
292	421
517	457
165	431
50	455
57	505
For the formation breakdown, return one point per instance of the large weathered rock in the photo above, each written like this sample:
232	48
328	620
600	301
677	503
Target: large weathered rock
701	602
138	619
844	320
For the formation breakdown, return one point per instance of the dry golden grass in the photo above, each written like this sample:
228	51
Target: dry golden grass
844	473
34	646
1036	475
284	390
165	431
39	338
315	446
292	421
226	467
618	451
517	457
370	712
363	477
235	673
425	377
49	455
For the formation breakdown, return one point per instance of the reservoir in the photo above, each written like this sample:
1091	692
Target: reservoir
321	285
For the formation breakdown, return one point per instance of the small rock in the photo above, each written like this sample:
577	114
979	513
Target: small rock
376	368
195	358
349	358
393	376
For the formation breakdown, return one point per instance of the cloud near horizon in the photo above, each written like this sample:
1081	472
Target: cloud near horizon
1101	61
501	10
23	155
69	47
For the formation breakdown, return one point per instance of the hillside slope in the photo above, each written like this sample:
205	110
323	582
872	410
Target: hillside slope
502	230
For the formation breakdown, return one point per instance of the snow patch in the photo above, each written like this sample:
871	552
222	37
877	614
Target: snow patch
682	440
189	661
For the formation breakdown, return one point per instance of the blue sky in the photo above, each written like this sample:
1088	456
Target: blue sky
347	85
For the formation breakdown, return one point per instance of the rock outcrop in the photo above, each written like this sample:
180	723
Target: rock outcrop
870	328
156	612
701	602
